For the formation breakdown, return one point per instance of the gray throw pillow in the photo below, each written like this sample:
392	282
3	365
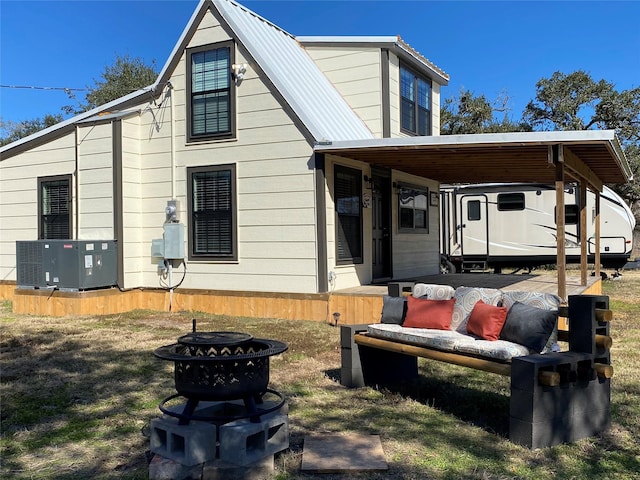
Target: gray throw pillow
394	309
529	326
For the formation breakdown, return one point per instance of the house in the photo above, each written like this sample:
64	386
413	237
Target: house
278	169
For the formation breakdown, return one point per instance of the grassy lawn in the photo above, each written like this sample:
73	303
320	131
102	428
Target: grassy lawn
77	395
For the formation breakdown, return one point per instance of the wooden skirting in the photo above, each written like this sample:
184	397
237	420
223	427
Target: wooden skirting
237	304
355	306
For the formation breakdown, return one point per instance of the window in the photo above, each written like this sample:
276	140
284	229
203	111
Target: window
54	201
211	92
473	210
212	213
571	214
415	103
348	194
413	215
510	201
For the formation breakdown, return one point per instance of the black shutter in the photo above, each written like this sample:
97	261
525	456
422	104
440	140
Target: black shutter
348	192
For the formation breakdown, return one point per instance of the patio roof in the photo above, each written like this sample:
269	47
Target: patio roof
594	155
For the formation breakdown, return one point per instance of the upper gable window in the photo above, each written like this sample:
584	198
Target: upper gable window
415	102
211	92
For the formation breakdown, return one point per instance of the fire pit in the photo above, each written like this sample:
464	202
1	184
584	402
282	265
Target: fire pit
221	366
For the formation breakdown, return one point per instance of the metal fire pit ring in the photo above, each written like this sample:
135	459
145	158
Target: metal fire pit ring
256	348
253	414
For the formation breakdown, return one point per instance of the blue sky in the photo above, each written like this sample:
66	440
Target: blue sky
486	47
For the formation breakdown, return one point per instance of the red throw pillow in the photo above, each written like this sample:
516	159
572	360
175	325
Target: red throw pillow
486	321
423	313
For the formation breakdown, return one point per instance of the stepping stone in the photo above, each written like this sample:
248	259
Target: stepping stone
343	454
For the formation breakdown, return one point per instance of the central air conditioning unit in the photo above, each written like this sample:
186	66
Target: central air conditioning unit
67	264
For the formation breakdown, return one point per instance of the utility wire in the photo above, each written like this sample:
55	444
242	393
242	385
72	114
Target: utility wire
33	87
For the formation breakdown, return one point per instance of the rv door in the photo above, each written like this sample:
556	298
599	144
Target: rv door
474	227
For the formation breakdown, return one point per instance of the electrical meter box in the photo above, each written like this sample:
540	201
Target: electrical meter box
67	264
173	241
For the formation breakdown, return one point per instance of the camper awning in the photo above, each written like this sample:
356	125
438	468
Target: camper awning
594	155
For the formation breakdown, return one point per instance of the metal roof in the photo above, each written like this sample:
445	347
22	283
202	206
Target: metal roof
499	157
289	67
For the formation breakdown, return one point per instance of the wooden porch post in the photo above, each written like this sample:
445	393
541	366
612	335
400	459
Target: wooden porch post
560	223
596	260
583	233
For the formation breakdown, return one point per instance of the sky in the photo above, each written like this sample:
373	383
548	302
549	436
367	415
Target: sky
490	48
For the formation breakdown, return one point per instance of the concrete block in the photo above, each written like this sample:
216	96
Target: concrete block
550	404
351	377
219	470
538	435
395	289
162	468
593	395
243	442
347	332
583	323
188	444
587	423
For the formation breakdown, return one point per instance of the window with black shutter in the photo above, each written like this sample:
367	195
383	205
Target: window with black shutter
212	212
210	90
348	200
55	204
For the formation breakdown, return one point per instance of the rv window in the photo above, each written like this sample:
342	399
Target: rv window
510	201
571	214
473	210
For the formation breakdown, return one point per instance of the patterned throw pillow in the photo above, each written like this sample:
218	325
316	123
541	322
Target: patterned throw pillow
433	291
466	299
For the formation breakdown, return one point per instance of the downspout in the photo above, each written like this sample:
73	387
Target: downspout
173	143
173	178
76	203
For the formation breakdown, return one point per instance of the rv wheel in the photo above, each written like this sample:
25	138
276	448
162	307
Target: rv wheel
446	266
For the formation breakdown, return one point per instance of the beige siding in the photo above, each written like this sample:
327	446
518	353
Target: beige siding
95	182
355	72
352	274
413	254
19	194
275	189
132	241
416	254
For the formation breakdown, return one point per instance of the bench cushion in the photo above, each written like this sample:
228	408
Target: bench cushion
449	340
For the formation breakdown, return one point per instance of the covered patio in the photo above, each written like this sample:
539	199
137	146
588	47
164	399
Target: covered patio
590	158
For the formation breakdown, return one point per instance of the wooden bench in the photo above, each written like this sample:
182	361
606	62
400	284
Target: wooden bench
555	397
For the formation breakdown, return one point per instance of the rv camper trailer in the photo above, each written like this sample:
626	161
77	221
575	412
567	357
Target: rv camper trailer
507	225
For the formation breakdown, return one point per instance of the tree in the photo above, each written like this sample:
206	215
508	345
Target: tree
577	102
467	113
124	76
12	131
